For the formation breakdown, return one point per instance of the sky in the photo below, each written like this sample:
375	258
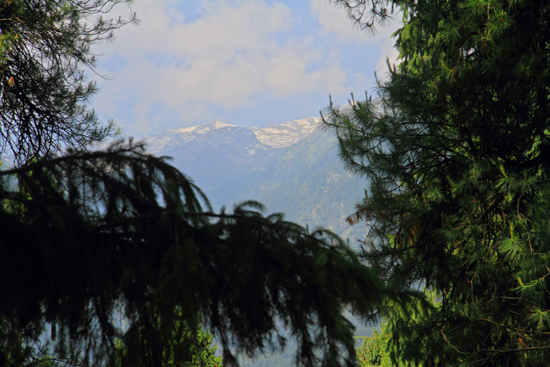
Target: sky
243	62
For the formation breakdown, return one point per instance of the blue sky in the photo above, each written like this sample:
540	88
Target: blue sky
244	62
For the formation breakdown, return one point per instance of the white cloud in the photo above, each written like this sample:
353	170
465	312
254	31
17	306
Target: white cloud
231	53
334	20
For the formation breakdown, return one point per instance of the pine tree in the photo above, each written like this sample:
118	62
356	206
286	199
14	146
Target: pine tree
456	147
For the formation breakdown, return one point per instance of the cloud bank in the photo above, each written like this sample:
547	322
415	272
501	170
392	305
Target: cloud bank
228	55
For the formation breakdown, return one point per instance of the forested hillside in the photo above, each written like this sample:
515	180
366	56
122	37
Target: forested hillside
308	182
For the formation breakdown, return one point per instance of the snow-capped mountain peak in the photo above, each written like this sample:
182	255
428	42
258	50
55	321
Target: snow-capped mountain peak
173	137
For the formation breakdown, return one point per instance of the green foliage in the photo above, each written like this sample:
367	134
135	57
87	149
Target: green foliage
404	336
187	348
456	149
373	350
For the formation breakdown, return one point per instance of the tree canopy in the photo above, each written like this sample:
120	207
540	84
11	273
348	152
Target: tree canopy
456	147
102	247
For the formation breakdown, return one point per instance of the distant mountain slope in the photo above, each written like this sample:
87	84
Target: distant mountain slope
273	136
223	160
291	167
308	182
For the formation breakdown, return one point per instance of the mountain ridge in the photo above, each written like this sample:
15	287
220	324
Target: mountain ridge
291	167
277	136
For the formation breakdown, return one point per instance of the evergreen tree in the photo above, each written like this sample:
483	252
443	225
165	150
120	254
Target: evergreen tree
187	348
457	150
116	246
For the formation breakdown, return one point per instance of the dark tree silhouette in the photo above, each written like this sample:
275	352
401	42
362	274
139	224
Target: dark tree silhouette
109	246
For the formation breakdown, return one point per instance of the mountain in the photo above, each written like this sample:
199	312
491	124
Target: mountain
290	167
308	182
274	136
223	160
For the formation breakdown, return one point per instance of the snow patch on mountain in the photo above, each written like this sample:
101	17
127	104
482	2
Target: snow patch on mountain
286	134
201	129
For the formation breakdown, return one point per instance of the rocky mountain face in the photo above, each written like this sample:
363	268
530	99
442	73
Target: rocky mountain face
290	167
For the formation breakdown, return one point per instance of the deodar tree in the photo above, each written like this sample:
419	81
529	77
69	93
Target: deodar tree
114	255
456	147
